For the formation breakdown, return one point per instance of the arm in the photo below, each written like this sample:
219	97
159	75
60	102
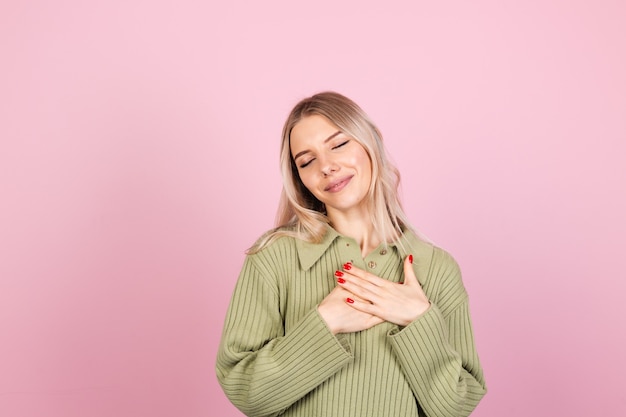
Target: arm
440	362
433	341
259	366
437	350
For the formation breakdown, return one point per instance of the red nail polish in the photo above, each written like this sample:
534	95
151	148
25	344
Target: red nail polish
350	300
347	266
341	280
411	258
338	273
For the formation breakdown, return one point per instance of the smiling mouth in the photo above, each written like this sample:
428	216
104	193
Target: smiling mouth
338	185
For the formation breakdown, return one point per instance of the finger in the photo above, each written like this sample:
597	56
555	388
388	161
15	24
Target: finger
356	286
342	293
361	305
409	273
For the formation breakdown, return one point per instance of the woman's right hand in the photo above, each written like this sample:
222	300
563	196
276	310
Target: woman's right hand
340	317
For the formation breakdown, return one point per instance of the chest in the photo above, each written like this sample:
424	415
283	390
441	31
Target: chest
303	290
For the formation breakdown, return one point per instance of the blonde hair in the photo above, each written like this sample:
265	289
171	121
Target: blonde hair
303	216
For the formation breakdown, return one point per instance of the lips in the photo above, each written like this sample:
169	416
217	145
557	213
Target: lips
339	184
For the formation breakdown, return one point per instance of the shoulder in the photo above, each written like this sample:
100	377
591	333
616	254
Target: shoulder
274	239
443	263
274	248
268	261
291	249
427	254
422	251
439	273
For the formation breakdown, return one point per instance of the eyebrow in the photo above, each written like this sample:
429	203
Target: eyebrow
299	154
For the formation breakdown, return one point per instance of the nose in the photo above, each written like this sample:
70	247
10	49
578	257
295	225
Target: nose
328	166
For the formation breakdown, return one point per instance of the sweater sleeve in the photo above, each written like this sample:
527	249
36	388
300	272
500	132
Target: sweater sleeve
437	350
262	369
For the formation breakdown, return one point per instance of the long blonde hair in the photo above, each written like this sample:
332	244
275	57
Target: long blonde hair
303	216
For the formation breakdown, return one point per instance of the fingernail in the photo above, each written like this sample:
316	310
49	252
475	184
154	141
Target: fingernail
350	300
338	273
347	266
341	280
411	258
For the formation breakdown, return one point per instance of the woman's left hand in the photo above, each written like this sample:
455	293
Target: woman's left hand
398	303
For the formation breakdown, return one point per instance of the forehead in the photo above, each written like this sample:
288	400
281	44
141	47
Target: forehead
311	129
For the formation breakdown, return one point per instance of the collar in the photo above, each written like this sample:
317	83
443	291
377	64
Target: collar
309	253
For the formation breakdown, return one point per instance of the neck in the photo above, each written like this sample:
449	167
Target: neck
357	225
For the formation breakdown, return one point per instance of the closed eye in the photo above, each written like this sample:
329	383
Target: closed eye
341	144
307	163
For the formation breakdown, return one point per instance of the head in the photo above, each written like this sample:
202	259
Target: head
300	207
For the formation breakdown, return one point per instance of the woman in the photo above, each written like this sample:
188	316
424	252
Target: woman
342	310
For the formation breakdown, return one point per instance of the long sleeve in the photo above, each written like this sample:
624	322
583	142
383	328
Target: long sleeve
278	357
437	351
261	369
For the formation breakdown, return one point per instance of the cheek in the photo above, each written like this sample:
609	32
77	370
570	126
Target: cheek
306	180
364	162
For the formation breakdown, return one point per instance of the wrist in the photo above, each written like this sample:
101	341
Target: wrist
326	317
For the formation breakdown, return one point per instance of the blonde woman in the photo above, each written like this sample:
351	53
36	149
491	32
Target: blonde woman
342	310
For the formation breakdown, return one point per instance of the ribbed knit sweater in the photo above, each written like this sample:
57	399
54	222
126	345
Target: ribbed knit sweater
278	357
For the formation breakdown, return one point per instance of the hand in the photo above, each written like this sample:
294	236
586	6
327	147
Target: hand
393	302
341	317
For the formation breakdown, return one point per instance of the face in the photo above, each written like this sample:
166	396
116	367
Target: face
334	167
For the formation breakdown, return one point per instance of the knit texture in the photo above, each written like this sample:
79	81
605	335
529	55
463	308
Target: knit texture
278	357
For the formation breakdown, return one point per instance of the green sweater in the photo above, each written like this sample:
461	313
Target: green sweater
278	357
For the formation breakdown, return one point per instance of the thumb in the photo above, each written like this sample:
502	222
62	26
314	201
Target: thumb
409	274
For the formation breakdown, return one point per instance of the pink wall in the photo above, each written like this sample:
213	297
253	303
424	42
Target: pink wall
138	160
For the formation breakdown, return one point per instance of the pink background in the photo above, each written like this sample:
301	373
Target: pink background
139	159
